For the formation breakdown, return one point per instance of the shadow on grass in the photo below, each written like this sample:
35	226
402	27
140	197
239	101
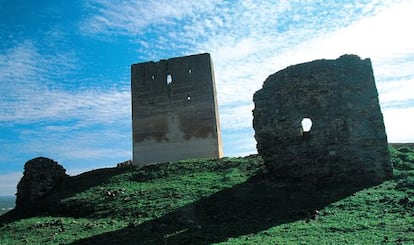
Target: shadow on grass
49	205
250	207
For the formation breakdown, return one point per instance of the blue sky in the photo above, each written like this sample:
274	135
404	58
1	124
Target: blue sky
65	66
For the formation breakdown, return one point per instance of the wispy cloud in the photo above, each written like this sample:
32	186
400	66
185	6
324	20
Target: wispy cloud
250	40
400	123
65	124
49	107
368	37
8	183
240	142
243	64
236	117
132	17
31	91
397	92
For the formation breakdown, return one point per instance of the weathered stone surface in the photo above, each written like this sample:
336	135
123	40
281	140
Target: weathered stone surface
174	110
124	164
40	176
347	141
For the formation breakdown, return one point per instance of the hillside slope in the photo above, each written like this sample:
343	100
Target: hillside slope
226	201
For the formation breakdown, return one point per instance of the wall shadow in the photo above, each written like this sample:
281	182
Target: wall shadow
250	207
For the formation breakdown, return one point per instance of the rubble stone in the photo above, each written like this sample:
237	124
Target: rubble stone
40	176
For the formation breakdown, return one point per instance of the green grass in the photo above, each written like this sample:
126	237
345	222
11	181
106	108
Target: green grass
226	201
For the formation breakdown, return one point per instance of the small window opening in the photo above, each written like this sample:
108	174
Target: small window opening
306	124
189	71
169	79
188	97
153	77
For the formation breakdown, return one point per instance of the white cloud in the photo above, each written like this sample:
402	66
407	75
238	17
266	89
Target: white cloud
399	124
42	117
236	116
30	93
90	106
240	142
381	36
396	91
76	143
131	17
8	183
248	40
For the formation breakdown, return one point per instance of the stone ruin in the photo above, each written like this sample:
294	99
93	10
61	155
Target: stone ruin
41	175
320	122
174	110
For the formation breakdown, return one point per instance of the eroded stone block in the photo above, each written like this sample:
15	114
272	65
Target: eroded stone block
346	141
41	175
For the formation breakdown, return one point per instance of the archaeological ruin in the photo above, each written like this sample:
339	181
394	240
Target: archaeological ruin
174	110
320	122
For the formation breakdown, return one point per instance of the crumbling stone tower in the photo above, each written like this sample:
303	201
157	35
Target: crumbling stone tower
174	110
346	141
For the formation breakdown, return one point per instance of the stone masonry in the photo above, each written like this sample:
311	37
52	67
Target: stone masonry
174	110
40	176
346	142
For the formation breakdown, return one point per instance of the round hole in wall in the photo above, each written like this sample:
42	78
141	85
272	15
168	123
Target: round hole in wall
306	124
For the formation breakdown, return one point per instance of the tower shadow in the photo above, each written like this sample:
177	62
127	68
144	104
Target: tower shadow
249	207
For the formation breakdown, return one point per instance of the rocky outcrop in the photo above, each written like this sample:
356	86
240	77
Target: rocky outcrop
40	176
346	141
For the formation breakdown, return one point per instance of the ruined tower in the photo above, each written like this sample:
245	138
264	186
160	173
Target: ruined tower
346	142
174	110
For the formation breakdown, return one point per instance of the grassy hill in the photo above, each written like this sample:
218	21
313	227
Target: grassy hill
226	201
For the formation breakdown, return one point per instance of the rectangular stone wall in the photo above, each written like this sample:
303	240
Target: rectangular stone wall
174	110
